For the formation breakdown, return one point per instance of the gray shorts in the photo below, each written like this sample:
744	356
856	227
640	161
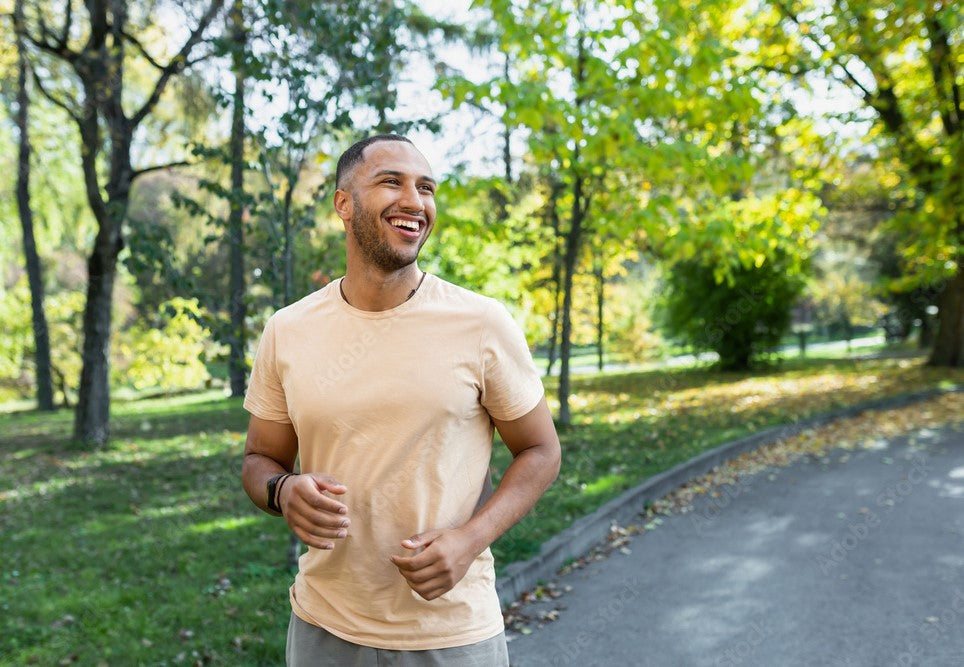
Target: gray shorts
311	646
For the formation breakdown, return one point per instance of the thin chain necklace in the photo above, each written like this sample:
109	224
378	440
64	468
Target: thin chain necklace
341	288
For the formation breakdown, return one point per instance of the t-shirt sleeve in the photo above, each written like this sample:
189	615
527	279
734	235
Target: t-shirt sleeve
511	386
265	397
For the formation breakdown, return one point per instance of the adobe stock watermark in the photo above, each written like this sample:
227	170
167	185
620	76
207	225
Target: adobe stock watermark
837	551
615	607
353	353
943	623
726	495
739	651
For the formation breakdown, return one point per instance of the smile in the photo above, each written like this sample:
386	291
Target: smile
406	224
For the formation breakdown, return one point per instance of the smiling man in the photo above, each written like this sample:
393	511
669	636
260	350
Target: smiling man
387	384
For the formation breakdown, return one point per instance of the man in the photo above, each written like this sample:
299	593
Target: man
388	383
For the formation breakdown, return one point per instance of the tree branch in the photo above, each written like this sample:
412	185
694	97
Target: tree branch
158	167
788	13
178	62
68	20
57	48
140	47
98	25
53	100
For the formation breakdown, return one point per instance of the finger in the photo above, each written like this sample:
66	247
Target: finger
404	564
421	577
309	492
314	531
430	592
313	541
325	504
421	540
328	483
414	563
318	518
320	524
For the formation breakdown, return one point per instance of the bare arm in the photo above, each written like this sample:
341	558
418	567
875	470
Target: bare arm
447	555
316	518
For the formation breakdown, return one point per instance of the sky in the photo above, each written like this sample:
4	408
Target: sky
466	137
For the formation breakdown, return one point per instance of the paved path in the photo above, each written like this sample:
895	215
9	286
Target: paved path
858	560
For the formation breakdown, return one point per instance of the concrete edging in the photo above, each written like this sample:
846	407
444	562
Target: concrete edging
593	528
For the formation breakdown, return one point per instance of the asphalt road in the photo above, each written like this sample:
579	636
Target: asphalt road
854	560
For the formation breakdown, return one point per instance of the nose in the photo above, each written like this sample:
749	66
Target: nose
410	200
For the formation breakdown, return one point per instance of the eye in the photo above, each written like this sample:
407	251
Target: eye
427	188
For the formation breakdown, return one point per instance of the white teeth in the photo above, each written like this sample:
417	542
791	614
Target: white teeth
410	225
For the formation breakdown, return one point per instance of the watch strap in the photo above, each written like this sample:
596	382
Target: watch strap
272	488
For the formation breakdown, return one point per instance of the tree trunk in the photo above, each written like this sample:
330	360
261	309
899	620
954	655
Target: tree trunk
93	403
925	336
41	337
287	250
600	296
237	369
506	130
949	339
556	316
103	91
556	276
573	242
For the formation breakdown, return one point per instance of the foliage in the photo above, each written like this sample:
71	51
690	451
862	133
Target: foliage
168	353
738	318
739	271
627	113
17	335
843	298
901	64
631	333
167	356
64	309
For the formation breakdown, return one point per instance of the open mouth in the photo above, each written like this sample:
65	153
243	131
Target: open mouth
407	226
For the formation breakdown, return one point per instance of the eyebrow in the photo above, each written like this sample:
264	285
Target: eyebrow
392	172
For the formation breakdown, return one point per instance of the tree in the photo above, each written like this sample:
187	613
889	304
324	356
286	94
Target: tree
41	336
738	272
96	55
237	368
904	64
614	99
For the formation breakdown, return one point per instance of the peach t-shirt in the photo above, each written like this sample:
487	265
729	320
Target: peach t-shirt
396	405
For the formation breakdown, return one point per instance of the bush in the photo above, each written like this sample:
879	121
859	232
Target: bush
736	318
169	356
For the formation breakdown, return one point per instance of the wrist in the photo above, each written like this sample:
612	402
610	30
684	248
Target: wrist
273	489
281	486
475	535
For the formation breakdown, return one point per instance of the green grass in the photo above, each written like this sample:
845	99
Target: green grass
147	551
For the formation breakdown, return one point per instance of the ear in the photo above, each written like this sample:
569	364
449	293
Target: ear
343	205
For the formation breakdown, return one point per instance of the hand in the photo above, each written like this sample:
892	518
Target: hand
314	517
446	557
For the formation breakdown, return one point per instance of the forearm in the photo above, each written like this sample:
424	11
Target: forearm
531	472
256	470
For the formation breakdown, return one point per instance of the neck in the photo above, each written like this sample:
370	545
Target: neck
373	290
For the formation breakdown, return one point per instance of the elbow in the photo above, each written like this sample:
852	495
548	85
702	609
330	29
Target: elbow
555	461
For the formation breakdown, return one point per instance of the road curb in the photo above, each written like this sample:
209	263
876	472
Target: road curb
593	528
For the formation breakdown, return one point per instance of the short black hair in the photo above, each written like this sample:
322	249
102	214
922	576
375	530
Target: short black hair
353	156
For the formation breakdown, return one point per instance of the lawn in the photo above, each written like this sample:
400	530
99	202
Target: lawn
148	552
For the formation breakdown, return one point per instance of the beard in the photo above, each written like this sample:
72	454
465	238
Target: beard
366	228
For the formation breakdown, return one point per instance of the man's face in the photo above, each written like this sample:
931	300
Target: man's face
391	210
